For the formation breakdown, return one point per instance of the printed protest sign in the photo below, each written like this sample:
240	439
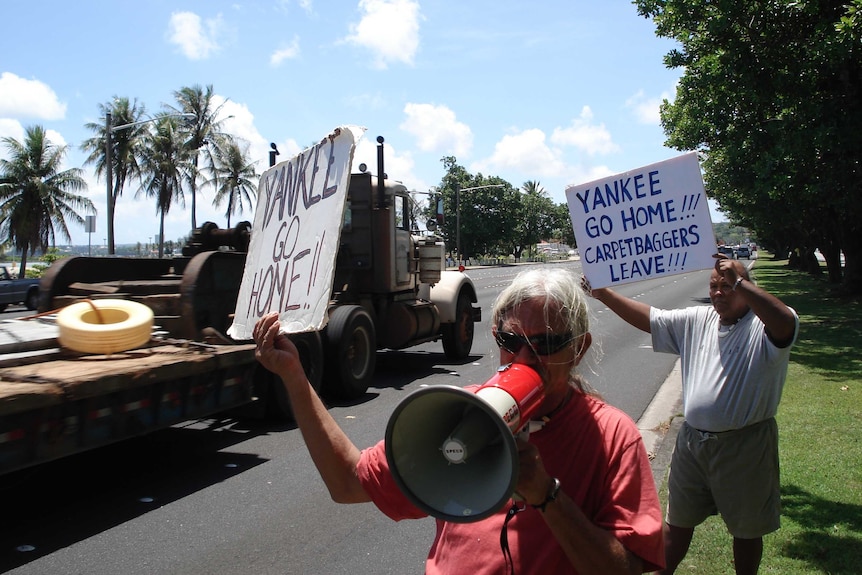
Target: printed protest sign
295	235
644	223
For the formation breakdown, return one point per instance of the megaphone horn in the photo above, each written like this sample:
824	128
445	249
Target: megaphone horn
452	452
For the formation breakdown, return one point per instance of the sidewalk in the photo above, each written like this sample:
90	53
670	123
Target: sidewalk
661	422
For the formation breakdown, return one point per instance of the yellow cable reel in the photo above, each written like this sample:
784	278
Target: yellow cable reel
105	326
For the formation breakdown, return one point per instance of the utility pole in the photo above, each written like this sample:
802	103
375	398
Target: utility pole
109	171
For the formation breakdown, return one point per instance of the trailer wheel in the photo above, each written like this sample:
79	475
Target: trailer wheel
310	348
351	352
458	336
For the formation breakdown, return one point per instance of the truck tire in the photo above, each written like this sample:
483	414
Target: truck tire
458	336
310	348
350	344
32	301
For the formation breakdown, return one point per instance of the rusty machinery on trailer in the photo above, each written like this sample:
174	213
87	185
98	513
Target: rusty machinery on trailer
193	296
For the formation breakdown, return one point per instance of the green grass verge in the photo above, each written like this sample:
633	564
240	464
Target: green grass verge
820	435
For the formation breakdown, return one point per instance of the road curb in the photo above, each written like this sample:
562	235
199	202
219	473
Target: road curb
661	421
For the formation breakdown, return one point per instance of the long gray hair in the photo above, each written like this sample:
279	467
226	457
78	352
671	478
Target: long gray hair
560	291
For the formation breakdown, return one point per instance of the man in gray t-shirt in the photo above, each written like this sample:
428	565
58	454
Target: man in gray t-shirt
734	358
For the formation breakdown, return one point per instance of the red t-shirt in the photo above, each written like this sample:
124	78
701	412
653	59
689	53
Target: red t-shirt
596	452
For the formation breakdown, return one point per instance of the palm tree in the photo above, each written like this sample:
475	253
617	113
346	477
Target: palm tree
536	223
125	144
204	136
234	179
164	164
36	198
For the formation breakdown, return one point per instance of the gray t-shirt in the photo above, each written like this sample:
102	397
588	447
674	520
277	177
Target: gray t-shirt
730	378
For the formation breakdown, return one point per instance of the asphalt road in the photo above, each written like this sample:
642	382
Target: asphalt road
231	496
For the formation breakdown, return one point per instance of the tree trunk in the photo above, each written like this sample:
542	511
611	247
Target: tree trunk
23	270
852	284
832	255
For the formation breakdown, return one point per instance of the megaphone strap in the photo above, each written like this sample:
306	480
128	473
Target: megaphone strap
504	536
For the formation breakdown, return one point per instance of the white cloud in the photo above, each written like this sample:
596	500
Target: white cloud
585	136
389	28
527	152
288	52
647	110
197	39
56	138
436	129
21	98
10	129
398	166
238	120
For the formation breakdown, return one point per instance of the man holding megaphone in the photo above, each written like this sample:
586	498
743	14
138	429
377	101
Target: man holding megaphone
584	500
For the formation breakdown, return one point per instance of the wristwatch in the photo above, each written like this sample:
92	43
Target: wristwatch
552	496
736	283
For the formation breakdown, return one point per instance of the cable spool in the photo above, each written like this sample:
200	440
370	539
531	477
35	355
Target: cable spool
105	326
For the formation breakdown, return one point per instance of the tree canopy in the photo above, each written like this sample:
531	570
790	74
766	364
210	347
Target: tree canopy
37	198
770	97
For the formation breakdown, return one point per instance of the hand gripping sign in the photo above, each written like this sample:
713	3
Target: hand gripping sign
644	223
297	223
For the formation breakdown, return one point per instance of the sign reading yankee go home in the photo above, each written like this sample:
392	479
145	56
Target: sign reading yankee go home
295	234
644	223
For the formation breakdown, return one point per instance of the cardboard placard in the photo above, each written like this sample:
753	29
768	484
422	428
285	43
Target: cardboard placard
643	223
297	225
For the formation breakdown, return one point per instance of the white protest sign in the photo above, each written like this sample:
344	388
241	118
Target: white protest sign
644	223
297	225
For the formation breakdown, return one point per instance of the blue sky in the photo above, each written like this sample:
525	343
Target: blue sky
561	92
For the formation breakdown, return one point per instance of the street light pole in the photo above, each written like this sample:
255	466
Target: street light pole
109	171
109	161
458	190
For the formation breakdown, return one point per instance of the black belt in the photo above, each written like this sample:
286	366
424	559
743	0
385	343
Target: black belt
706	435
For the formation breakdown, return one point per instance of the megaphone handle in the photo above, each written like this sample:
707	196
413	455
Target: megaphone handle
523	435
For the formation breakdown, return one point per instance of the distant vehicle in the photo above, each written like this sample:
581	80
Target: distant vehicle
743	252
727	250
15	291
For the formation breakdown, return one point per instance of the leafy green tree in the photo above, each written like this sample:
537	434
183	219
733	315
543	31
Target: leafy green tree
36	196
562	225
770	97
203	135
165	165
485	207
536	220
234	178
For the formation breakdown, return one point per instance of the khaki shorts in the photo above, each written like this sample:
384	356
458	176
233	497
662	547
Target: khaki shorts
734	473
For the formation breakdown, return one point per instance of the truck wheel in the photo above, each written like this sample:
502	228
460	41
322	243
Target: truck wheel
310	348
351	352
458	336
32	301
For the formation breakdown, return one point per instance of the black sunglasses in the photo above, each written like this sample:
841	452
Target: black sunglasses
548	344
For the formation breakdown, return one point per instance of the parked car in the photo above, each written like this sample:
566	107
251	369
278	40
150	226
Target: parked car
15	291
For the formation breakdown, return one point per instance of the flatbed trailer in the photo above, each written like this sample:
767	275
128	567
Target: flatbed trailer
55	402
